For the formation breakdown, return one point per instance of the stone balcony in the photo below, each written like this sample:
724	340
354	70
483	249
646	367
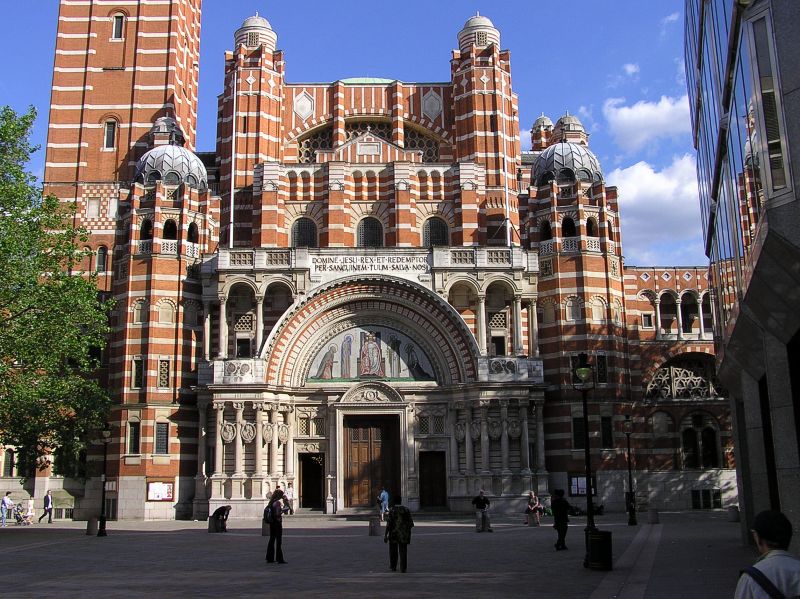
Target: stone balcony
234	371
502	369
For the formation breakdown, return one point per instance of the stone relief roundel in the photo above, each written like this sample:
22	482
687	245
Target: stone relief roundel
248	432
228	432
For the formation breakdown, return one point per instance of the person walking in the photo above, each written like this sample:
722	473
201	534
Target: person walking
48	508
383	502
482	503
560	508
290	498
275	545
776	573
6	507
398	534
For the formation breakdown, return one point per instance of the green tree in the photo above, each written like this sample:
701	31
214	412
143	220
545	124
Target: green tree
51	320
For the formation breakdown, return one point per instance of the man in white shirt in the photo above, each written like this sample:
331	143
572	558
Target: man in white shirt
290	497
776	571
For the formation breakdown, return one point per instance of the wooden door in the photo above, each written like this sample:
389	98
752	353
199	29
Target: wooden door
372	459
432	479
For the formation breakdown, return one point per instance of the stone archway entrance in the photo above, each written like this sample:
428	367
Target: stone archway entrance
372	459
312	480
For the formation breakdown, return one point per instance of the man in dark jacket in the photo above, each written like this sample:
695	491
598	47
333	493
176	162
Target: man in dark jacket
482	503
398	534
560	508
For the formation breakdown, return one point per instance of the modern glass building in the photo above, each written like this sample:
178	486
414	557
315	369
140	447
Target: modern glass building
743	80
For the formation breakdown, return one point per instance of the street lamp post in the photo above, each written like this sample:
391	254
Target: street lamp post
585	374
106	439
630	496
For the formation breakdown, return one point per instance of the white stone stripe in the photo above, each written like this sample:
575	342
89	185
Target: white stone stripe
75	52
64	164
109	106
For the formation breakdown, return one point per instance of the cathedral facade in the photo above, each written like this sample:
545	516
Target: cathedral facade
368	283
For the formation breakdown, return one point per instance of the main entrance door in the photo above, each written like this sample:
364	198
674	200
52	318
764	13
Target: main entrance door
312	480
432	479
372	459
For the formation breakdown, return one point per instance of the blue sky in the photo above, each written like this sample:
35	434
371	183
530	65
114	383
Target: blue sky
617	65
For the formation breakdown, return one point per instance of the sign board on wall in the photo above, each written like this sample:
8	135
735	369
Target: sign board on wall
160	491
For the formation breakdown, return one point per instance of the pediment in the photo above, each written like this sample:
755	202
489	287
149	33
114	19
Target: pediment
372	392
369	148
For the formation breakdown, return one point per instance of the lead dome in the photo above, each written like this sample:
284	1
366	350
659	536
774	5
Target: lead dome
478	31
256	31
174	165
566	161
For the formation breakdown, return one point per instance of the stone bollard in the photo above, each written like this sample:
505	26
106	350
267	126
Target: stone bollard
374	527
91	526
733	513
652	516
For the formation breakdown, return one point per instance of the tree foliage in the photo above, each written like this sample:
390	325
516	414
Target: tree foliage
51	320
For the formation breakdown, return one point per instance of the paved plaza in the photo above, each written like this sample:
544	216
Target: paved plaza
687	555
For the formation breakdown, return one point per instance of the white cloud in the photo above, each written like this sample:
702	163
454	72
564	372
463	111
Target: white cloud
525	139
630	68
587	118
633	127
660	213
671	18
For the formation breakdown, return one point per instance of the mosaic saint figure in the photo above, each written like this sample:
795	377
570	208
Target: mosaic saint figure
325	370
371	357
347	346
394	357
415	369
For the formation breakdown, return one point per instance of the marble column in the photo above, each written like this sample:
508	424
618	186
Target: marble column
223	328
273	446
518	350
524	439
469	449
259	324
657	304
219	464
207	331
452	419
541	465
202	409
504	436
288	460
485	438
259	446
238	451
680	318
482	324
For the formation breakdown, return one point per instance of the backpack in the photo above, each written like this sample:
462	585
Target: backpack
269	517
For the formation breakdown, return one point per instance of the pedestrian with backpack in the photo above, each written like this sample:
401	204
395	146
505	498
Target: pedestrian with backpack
273	515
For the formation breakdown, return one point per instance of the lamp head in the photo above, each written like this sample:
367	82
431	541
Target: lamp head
627	426
584	373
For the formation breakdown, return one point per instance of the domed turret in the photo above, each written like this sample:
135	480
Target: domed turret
565	162
478	31
543	122
172	164
166	131
570	128
256	31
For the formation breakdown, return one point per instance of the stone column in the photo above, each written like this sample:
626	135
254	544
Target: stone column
504	436
202	409
657	303
219	465
207	330
680	318
259	449
259	324
482	324
223	327
533	330
452	418
288	460
518	325
238	448
541	466
700	316
485	438
524	439
469	449
273	446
